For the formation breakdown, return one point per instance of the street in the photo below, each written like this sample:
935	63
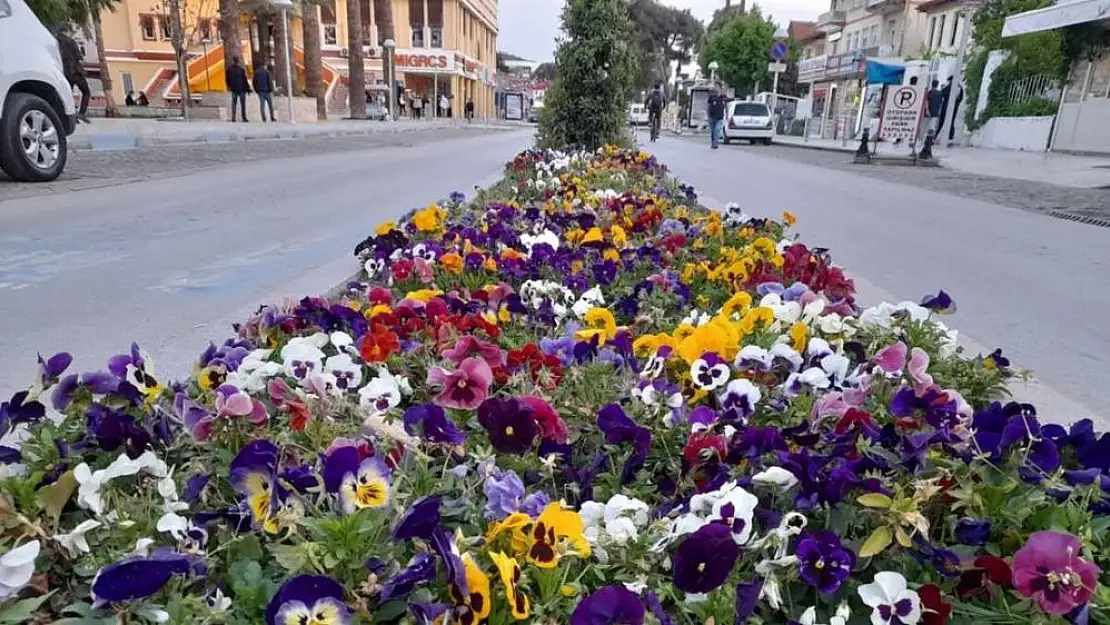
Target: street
172	262
1034	285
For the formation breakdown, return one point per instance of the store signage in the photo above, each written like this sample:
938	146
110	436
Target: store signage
812	70
434	61
848	63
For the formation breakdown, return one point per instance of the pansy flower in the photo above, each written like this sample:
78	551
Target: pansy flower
609	605
468	347
308	599
556	532
892	601
17	567
509	570
466	387
381	394
137	369
709	372
705	559
420	570
1050	570
303	356
434	425
139	577
253	474
510	424
360	482
472	605
824	562
551	425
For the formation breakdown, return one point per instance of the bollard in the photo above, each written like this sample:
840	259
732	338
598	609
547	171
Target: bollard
863	153
926	152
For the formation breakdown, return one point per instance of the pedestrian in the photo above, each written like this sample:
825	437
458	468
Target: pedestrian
264	87
74	69
934	101
715	108
400	106
955	115
143	100
443	104
417	107
239	86
130	99
469	110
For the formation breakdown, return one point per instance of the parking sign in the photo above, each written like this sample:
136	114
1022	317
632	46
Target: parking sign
902	112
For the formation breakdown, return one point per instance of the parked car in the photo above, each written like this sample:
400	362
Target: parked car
750	121
534	114
637	115
37	112
376	112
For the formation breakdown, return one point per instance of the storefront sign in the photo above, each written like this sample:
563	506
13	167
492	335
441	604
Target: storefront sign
848	64
430	61
902	112
812	70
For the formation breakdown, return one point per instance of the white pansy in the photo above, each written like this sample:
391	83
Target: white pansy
373	267
302	356
142	547
254	371
174	524
836	366
529	241
75	542
616	522
636	586
17	566
709	377
341	340
818	348
218	603
736	509
775	477
889	594
621	531
787	353
843	613
813	310
832	323
91	482
753	357
381	394
592	298
344	371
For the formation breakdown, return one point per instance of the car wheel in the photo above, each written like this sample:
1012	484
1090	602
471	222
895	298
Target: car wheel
726	140
767	142
33	139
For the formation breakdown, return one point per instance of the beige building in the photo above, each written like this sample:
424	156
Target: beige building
443	47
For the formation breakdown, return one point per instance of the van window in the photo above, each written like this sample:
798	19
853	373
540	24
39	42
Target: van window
750	109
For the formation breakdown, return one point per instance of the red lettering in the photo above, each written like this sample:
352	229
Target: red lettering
422	61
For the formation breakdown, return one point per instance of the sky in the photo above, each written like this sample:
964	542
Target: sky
529	27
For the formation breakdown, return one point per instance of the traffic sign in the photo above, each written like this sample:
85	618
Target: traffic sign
902	112
776	68
780	50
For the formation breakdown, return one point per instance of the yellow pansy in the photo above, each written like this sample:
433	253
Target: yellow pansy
378	309
555	533
799	332
385	228
513	526
711	337
649	344
490	264
600	322
428	219
758	318
611	254
619	236
593	235
473	607
423	295
451	262
573	236
739	303
509	570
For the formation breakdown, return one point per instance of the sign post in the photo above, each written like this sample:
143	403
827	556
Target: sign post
902	112
780	51
285	6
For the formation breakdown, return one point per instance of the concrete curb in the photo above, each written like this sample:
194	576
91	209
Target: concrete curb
878	159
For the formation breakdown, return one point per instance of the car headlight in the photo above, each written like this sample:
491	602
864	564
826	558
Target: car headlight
769	124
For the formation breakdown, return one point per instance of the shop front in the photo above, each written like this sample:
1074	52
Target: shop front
432	75
841	88
811	71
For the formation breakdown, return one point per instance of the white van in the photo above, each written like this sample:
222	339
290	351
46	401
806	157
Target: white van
637	115
750	121
37	112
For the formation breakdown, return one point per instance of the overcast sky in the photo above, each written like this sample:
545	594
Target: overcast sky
528	27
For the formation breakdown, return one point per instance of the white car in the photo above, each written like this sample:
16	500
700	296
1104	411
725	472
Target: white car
748	120
37	111
637	115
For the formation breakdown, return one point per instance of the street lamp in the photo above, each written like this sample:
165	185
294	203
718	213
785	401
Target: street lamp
390	80
713	65
285	6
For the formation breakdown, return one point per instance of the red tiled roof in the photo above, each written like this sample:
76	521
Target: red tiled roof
931	5
803	31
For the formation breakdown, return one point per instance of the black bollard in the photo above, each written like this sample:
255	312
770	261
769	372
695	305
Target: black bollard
863	153
927	149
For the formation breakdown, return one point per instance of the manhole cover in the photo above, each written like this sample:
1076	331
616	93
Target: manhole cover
1083	219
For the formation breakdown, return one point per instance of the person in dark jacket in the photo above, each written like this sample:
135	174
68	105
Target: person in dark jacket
264	87
74	70
716	110
239	87
934	107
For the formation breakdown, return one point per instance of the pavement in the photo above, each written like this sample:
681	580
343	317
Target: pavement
1033	285
174	259
107	134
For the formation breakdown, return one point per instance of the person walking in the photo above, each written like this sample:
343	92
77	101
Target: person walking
716	112
239	86
417	107
655	110
443	104
264	87
74	69
934	108
469	110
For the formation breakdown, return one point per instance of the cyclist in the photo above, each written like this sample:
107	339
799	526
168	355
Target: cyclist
655	103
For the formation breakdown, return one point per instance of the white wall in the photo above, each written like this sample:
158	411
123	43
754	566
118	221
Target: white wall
1014	133
1084	126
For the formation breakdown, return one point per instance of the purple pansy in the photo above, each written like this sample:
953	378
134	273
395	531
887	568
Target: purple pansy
609	605
306	599
139	577
824	562
705	559
434	425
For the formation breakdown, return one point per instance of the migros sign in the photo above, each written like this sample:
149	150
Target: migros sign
429	61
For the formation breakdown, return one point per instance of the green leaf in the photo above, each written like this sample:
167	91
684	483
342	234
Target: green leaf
22	611
875	500
291	558
875	544
55	497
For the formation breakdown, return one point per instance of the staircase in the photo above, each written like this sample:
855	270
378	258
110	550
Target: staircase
156	86
339	96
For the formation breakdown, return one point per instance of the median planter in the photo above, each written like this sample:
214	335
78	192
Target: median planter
578	397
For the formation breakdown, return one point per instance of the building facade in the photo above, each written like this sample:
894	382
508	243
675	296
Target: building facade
443	47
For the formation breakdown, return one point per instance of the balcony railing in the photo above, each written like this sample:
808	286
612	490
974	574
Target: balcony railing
830	21
885	6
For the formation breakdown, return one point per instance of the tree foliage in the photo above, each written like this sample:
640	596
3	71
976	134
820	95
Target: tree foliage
544	71
741	47
664	35
595	64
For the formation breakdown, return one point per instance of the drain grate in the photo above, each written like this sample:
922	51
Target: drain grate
1092	221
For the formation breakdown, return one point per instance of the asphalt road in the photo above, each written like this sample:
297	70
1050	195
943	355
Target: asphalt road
173	260
1036	286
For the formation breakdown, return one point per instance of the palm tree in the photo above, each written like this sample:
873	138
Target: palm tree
89	13
281	44
229	31
313	58
356	79
384	15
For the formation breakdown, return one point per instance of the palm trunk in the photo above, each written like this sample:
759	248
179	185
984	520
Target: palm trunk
356	78
265	47
281	47
110	109
313	59
229	31
384	12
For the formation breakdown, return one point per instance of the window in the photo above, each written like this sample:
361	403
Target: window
958	23
164	22
1100	78
331	35
204	29
1073	92
417	36
873	35
128	82
437	37
932	31
940	31
146	25
750	109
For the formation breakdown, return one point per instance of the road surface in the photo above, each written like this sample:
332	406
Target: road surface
1036	286
172	262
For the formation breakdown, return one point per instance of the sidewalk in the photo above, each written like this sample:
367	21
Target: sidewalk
837	145
108	134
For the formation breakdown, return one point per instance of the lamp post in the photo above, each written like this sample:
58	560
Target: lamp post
390	79
713	66
284	6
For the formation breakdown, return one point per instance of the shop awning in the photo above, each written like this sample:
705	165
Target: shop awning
885	71
1059	15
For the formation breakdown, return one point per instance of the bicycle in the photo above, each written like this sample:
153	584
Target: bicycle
655	122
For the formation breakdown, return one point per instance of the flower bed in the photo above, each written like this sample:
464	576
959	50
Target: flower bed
580	397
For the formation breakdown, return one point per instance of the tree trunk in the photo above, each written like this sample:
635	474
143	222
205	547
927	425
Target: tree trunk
356	78
110	109
229	32
177	40
383	11
265	44
384	14
281	48
313	59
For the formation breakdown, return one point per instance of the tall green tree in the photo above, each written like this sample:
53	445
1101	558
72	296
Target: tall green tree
544	71
595	67
741	47
665	36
